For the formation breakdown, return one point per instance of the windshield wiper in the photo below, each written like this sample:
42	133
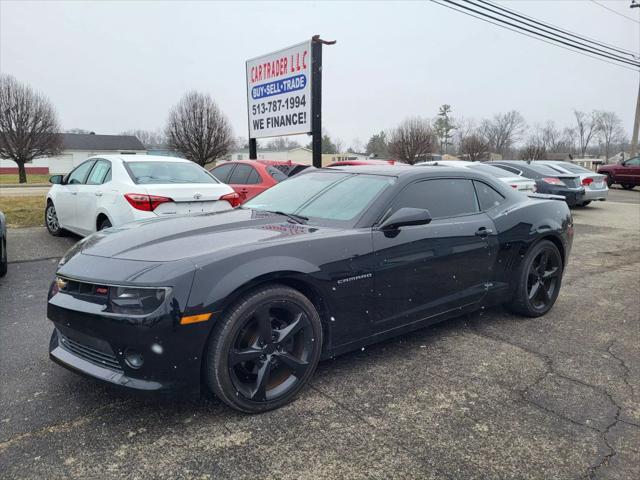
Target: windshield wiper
292	216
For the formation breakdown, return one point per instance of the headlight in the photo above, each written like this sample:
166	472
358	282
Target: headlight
136	301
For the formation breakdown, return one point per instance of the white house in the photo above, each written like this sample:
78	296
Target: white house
77	147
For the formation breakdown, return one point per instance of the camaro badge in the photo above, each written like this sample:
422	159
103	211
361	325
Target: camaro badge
353	279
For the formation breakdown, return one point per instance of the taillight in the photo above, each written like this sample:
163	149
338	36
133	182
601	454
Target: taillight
552	180
514	186
147	203
587	181
233	198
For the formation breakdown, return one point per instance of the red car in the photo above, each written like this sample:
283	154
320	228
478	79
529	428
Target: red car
251	177
350	163
626	173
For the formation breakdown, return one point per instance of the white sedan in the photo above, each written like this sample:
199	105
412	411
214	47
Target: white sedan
110	190
517	183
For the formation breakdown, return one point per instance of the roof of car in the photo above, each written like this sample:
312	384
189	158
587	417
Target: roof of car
395	170
142	158
262	161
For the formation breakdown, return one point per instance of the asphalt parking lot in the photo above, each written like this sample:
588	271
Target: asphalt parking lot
490	395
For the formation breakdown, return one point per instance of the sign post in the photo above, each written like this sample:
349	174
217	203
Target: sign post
284	95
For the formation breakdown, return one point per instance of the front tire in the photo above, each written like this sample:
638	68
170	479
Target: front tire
3	257
264	349
51	220
539	280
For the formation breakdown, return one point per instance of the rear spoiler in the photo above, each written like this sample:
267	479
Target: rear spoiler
545	196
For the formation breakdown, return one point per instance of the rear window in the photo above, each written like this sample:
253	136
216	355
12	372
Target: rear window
575	168
491	170
544	169
153	173
276	174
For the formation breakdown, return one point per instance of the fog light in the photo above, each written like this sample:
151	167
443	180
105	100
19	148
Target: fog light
133	359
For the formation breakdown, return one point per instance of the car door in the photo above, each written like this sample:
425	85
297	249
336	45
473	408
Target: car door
66	199
90	195
238	180
424	271
629	173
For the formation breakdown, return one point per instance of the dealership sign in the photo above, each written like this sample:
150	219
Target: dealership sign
279	92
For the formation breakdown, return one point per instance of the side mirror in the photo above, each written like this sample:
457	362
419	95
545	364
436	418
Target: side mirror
55	179
405	217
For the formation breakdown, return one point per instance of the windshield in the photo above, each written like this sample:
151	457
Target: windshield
322	195
147	173
490	170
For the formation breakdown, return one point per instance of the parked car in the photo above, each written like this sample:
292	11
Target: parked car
595	184
547	179
3	245
246	302
360	163
110	190
516	182
250	177
626	173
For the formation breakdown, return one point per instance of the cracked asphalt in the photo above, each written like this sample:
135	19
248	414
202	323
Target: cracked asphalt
486	396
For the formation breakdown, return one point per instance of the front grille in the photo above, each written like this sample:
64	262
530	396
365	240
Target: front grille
90	354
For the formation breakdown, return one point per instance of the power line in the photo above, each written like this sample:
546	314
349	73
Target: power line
562	30
551	37
616	12
531	36
545	29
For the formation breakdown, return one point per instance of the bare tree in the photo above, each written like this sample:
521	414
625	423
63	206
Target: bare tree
148	138
586	127
198	128
503	130
412	140
610	130
282	143
474	147
28	125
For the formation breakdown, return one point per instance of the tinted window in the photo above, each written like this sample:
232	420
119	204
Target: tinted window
509	169
542	169
99	174
322	195
487	196
223	171
634	162
276	174
491	170
240	175
149	172
575	168
254	177
443	198
80	174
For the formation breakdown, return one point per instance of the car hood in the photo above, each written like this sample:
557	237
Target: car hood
174	238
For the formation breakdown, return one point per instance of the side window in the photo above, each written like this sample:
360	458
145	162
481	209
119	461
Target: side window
79	175
276	174
254	177
223	171
633	162
100	172
240	174
442	197
487	196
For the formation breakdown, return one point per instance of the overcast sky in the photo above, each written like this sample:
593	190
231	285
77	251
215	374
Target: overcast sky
112	66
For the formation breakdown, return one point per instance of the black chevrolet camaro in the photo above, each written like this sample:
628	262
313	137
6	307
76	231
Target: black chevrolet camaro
247	301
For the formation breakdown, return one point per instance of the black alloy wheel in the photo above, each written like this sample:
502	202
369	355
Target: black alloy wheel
540	279
51	220
264	350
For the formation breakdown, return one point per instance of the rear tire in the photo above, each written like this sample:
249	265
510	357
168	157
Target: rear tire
3	257
105	223
264	349
539	280
51	220
584	204
627	186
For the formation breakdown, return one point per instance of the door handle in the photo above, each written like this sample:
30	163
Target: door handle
98	194
484	232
